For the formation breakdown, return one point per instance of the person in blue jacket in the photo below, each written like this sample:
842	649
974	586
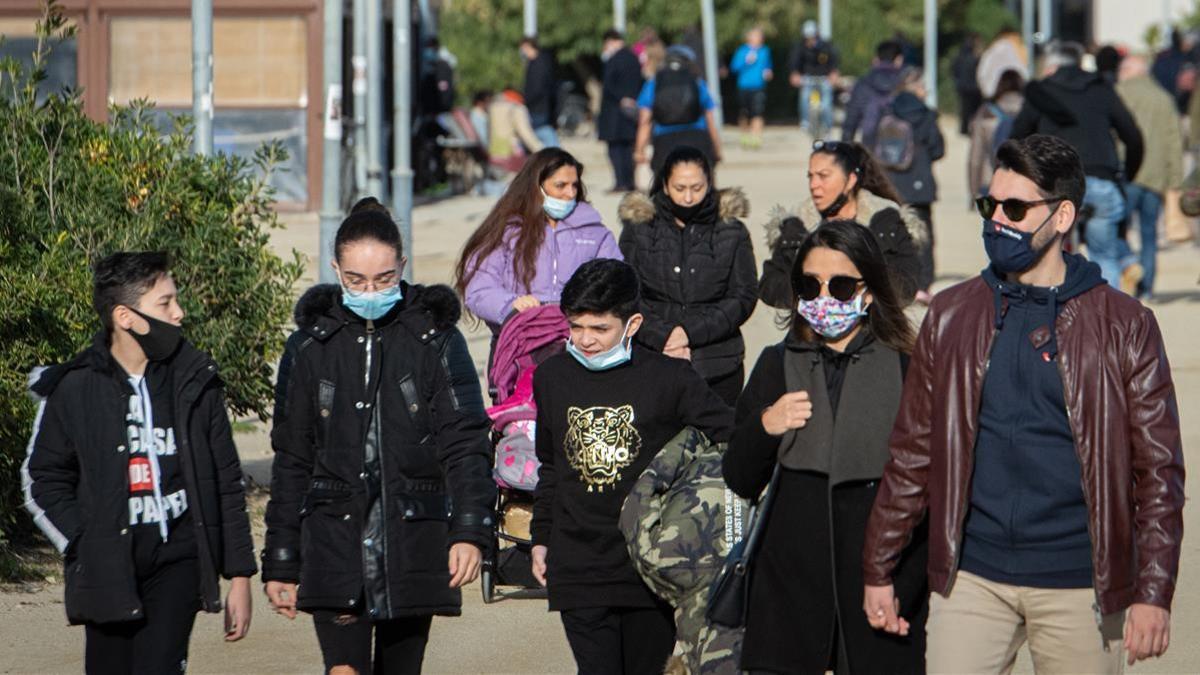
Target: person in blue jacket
754	69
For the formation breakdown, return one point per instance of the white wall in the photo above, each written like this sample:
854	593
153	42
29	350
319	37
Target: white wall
1125	21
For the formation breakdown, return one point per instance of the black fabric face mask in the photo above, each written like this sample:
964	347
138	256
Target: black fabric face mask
832	210
703	211
162	340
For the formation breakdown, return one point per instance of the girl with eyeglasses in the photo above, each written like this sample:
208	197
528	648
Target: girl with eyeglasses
845	182
820	406
381	487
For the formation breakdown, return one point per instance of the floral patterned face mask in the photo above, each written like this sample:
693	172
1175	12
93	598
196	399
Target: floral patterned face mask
830	317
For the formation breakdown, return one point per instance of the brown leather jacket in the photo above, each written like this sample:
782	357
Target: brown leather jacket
1122	411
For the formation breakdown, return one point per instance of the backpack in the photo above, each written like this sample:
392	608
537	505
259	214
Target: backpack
1003	128
873	113
895	143
676	94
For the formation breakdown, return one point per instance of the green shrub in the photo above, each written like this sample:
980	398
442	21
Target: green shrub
74	190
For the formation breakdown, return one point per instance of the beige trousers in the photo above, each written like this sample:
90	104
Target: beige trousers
982	625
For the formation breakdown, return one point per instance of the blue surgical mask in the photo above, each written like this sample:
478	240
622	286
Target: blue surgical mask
557	208
1010	250
620	353
371	305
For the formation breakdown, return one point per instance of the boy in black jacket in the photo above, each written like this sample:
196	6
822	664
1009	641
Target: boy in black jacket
145	534
605	408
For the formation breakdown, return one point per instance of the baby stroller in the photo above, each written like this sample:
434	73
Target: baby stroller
526	339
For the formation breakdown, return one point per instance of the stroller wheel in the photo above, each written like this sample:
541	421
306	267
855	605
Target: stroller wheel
487	581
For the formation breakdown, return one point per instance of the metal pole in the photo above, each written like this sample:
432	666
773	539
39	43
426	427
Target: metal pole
1027	34
359	64
375	142
1045	21
331	162
1165	39
709	21
619	15
402	174
428	20
931	50
825	19
530	18
202	70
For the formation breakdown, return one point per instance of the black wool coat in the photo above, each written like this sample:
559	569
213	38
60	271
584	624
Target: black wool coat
622	79
382	457
808	569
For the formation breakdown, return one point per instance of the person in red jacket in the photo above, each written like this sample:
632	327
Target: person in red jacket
1039	430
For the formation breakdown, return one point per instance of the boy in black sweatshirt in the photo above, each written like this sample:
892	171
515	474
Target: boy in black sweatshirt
133	475
605	408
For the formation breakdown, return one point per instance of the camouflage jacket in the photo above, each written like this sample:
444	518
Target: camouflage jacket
680	521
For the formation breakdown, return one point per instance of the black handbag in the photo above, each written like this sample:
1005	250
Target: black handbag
730	595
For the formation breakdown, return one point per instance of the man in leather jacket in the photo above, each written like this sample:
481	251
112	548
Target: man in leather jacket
1039	429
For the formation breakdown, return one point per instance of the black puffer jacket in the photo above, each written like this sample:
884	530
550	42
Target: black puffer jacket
76	479
899	230
701	277
382	456
917	185
1083	109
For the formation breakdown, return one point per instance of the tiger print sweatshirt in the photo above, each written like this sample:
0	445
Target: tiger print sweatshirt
596	432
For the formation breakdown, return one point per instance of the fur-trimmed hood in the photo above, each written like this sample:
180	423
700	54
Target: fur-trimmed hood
638	207
869	204
318	311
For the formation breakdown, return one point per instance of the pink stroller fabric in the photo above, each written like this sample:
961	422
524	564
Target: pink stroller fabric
521	336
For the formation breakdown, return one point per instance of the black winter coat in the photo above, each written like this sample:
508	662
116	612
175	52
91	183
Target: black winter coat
808	568
1083	109
702	277
78	488
541	89
372	482
917	185
898	229
622	79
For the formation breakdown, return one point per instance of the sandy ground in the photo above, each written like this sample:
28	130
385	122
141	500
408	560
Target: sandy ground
519	635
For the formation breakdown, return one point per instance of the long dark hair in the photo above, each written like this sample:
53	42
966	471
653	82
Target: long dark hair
885	315
520	207
855	158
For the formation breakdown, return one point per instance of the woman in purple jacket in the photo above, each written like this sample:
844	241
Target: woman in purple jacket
533	240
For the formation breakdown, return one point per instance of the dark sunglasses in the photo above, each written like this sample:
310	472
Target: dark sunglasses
828	146
842	288
1014	209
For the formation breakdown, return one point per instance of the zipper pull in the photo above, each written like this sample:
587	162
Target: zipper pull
370	327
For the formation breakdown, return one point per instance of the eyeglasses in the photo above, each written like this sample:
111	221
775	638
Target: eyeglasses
828	146
840	287
1014	209
358	285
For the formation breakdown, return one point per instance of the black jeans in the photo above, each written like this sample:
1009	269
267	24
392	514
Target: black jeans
157	643
620	153
345	640
620	640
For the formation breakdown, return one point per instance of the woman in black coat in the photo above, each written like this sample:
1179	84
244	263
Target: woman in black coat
820	405
844	182
381	489
694	258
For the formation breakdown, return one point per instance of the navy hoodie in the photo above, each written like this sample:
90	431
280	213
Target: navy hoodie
1028	522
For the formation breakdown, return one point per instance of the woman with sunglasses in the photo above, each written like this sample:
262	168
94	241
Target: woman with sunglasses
696	263
845	182
820	405
532	241
381	487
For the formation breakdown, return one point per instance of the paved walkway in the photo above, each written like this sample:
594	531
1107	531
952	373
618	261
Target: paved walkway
519	635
